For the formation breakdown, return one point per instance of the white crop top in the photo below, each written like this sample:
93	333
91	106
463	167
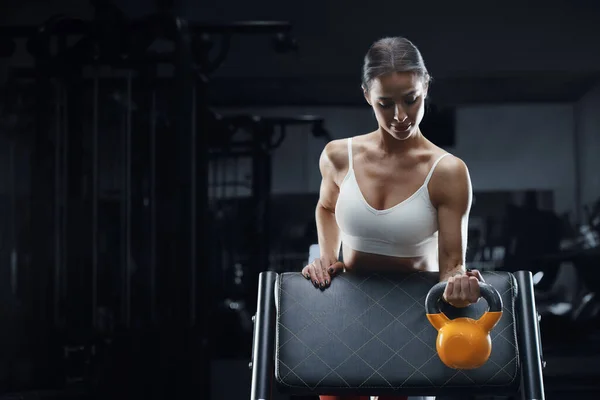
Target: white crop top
408	229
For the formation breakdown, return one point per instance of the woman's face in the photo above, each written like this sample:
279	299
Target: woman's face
398	100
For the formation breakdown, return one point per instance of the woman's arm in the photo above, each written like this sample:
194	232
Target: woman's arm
327	229
452	196
330	163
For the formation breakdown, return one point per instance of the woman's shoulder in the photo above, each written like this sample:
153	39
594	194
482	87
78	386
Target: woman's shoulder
444	160
447	163
449	170
335	153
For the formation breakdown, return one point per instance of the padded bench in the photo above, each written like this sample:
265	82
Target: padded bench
368	334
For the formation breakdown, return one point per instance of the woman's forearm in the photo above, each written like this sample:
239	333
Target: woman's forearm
328	233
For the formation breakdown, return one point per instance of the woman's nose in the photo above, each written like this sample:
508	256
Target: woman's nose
399	114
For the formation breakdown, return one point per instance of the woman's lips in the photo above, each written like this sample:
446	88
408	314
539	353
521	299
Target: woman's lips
401	128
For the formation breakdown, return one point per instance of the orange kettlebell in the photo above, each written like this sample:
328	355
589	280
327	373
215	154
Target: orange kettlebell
464	343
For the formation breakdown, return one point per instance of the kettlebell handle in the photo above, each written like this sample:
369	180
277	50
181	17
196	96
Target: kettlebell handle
488	292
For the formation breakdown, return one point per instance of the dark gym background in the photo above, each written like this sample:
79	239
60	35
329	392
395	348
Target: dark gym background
156	156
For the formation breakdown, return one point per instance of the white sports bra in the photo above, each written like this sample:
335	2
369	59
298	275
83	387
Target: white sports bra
408	229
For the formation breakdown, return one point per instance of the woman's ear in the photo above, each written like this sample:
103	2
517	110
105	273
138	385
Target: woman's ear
366	94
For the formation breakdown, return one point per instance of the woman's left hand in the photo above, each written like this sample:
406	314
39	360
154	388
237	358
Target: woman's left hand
463	290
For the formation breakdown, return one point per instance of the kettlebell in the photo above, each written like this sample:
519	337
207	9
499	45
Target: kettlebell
464	343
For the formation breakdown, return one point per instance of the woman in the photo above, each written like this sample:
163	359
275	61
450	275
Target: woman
390	198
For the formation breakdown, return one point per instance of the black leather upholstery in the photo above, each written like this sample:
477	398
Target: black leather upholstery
368	334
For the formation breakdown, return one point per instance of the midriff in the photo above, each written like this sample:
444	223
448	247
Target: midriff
366	262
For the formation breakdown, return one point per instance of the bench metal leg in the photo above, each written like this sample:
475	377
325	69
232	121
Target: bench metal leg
529	338
263	342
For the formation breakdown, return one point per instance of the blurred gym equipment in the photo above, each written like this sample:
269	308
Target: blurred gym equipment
241	212
112	249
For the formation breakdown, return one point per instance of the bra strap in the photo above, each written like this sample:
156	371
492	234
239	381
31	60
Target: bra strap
433	168
350	166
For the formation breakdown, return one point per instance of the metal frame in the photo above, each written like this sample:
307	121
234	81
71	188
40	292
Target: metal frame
528	331
529	337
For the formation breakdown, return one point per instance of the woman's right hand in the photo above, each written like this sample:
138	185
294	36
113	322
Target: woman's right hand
322	270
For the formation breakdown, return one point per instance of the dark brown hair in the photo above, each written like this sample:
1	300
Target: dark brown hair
393	54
